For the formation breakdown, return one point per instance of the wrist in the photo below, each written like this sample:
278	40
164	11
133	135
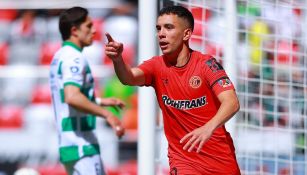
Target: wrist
118	59
98	100
211	126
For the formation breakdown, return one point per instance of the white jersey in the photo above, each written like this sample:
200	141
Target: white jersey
77	137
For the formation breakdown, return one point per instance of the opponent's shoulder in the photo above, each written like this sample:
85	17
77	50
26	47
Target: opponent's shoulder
67	53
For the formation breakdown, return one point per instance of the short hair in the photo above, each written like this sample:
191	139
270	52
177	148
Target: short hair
181	12
74	16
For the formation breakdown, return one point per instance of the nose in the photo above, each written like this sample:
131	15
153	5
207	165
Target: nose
161	33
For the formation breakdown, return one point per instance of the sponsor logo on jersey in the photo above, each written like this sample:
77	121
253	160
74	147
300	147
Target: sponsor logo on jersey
225	82
214	65
195	82
77	60
184	104
74	69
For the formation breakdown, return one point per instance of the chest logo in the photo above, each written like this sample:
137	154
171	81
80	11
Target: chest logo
165	81
195	82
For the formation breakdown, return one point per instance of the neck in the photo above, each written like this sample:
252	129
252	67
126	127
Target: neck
76	42
72	44
180	58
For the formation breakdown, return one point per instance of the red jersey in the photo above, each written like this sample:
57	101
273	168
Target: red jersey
188	99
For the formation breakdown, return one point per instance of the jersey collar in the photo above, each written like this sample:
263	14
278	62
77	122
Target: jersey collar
69	43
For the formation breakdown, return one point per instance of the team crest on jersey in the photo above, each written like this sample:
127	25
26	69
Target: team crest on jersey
225	82
195	82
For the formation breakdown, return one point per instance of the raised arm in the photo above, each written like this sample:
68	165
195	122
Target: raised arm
126	74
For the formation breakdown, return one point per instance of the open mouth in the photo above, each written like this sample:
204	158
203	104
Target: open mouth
163	44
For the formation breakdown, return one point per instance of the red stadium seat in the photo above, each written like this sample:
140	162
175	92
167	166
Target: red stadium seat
11	117
47	51
41	94
199	12
4	47
112	171
214	49
130	121
52	170
200	15
284	171
8	14
128	168
287	52
98	24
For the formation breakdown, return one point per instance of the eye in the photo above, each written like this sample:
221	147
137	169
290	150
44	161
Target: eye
169	26
89	25
158	28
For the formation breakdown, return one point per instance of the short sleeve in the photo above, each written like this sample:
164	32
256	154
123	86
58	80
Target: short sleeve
148	67
216	76
72	70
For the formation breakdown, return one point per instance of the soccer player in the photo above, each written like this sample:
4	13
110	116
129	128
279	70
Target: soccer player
194	93
73	97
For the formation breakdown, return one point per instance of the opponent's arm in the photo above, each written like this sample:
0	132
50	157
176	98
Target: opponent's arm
126	74
229	106
111	101
76	99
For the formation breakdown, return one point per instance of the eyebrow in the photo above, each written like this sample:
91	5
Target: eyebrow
166	24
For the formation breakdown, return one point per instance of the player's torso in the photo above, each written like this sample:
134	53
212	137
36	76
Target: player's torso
69	66
76	129
187	102
185	94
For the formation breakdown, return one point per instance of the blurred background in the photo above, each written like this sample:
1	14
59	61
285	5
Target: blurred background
261	44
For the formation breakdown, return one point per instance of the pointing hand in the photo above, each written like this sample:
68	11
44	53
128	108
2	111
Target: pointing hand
113	49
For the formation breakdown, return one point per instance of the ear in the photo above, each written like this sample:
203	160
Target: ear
187	34
73	31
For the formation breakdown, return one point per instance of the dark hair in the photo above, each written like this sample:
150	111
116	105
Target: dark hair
180	12
74	16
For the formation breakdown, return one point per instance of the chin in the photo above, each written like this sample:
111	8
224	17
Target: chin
165	52
88	43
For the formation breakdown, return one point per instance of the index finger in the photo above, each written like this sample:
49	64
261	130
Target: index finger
185	137
110	39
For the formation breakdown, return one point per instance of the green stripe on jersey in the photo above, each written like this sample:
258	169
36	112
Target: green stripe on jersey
89	150
88	123
62	95
72	83
73	45
60	68
69	153
69	124
88	70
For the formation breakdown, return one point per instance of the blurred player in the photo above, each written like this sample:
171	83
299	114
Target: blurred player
195	95
73	97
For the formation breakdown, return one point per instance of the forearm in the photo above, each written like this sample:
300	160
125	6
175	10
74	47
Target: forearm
123	71
80	102
225	112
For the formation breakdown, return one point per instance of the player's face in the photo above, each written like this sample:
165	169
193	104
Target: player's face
86	32
171	32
